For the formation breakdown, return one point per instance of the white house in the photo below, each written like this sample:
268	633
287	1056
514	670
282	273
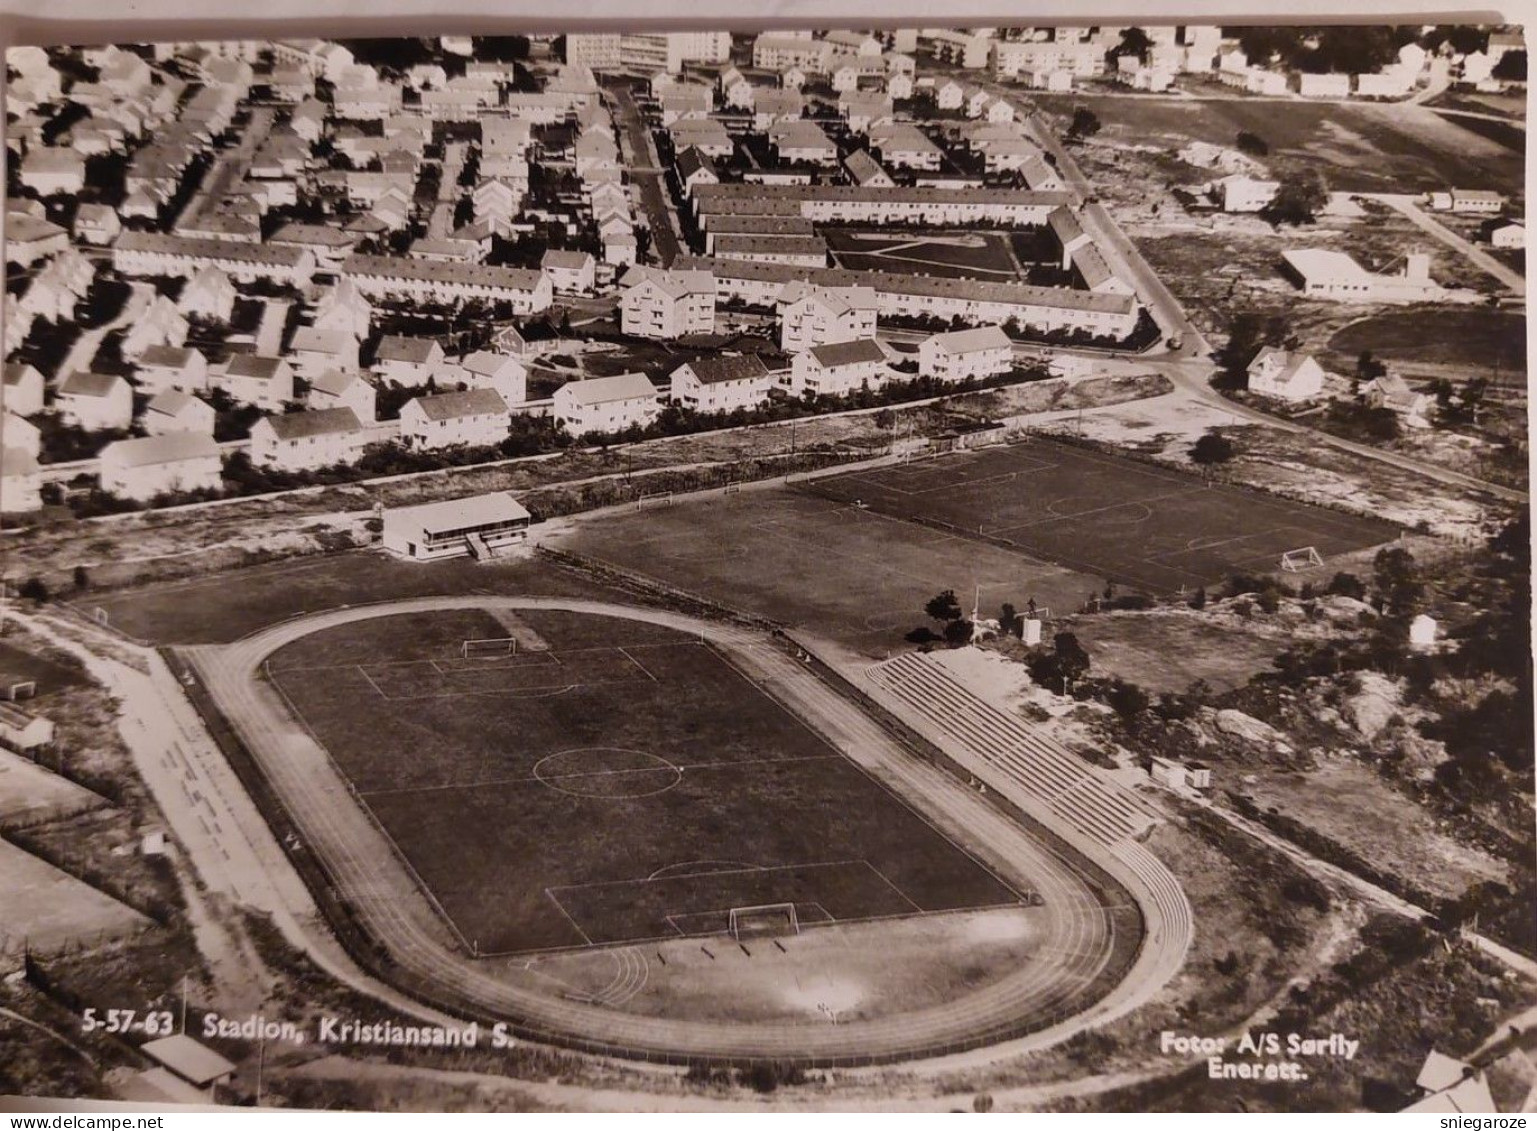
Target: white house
208	294
314	351
607	404
837	368
266	382
160	325
97	224
1285	376
722	382
486	369
1508	235
408	361
338	388
667	304
570	272
17	434
966	354
94	401
477	417
301	441
23	389
1325	273
20	483
1392	392
176	411
813	316
157	465
48	171
344	308
171	367
1240	193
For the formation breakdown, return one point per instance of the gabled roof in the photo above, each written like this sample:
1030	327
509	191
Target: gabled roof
316	422
416	351
487	363
727	367
836	354
171	402
452	406
316	340
335	382
863	168
674	284
601	390
255	366
970	341
168	357
168	447
82	383
566	260
692	161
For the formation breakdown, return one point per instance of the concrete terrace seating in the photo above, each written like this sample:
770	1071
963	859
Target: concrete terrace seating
1041	767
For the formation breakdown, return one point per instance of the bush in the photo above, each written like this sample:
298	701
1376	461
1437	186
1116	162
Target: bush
1347	585
1212	448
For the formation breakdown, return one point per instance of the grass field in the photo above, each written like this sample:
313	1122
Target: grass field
47	909
954	255
1476	337
1146	527
18	665
852	576
609	781
1370	147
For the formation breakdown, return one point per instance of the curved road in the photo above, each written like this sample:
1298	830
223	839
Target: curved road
1073	951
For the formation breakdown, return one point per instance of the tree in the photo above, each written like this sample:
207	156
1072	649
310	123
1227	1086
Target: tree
1009	620
82	579
1252	144
1347	585
958	632
944	606
885	420
1070	655
1298	201
34	589
1511	67
1368	368
1127	700
1085	123
1212	448
1396	580
1134	41
1198	599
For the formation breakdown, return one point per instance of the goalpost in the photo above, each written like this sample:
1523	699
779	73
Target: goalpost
1295	561
489	646
763	919
656	498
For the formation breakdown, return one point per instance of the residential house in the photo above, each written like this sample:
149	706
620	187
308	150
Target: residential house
1509	235
339	388
1241	193
500	372
694	169
476	417
23	394
266	382
314	351
208	294
176	411
721	382
160	325
408	361
97	224
304	441
160	368
607	404
667	304
94	401
49	171
20	434
29	239
866	171
344	308
20	484
171	462
570	272
1392	392
964	355
802	142
1285	376
814	316
837	368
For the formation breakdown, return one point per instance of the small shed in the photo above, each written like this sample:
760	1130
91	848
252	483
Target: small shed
191	1060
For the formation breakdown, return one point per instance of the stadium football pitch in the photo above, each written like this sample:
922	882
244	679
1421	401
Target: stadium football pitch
575	780
1150	528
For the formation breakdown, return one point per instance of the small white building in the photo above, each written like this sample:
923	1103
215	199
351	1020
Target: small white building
1285	376
475	417
500	372
810	315
20	479
48	171
171	462
23	389
477	525
95	401
1240	193
303	441
314	351
1422	631
408	361
1511	235
340	388
1392	392
837	368
266	382
97	224
722	383
160	368
177	411
570	272
964	355
208	294
607	404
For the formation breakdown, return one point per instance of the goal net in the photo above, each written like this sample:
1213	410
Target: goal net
489	646
24	689
655	499
765	919
1295	561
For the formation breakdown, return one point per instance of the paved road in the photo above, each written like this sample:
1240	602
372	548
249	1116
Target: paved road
229	168
1408	207
1073	950
83	352
646	173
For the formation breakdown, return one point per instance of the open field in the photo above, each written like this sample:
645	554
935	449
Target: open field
1477	339
1168	652
955	255
1368	147
709	794
47	909
18	665
30	793
848	575
1146	527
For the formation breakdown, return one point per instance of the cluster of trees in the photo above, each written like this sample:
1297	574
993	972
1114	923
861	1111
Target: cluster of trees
1085	123
1342	49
